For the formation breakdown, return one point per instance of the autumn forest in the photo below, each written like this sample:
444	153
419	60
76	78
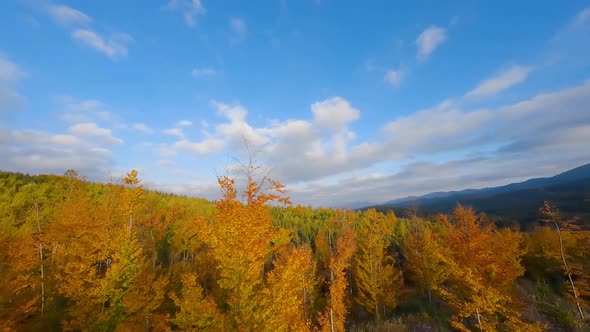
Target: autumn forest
82	256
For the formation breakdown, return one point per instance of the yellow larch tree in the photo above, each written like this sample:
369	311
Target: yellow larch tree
334	318
377	280
196	312
288	297
422	249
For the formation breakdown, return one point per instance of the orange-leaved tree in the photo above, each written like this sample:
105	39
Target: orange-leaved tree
482	265
242	238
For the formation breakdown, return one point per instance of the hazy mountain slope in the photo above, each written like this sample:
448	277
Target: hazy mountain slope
516	202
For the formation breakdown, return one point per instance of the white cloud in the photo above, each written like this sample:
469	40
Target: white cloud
114	46
502	81
67	15
429	40
235	113
393	77
41	152
207	146
301	151
143	128
335	113
65	139
184	123
209	190
91	129
190	10
205	71
321	163
174	132
237	131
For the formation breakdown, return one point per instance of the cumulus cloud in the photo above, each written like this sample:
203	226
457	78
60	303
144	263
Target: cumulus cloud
41	152
429	40
91	129
190	10
515	142
306	154
114	46
335	113
502	81
67	15
184	123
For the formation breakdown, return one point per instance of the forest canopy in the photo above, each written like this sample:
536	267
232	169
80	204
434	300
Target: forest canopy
78	255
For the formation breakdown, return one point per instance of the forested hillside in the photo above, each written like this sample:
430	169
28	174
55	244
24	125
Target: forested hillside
82	256
516	203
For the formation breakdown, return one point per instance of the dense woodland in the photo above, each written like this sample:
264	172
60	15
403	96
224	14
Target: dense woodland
82	256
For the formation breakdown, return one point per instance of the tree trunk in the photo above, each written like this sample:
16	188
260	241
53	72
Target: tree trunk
130	219
478	319
304	303
568	271
40	258
331	320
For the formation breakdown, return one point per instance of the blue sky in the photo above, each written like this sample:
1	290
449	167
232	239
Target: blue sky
345	101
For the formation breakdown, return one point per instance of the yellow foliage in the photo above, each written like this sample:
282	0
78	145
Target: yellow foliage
288	294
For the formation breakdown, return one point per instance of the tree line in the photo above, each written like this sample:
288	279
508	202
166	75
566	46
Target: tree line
82	256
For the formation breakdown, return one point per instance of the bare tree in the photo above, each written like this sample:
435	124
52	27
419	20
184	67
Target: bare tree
552	215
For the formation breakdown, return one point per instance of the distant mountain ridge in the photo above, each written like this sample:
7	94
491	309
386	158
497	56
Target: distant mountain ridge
578	173
511	203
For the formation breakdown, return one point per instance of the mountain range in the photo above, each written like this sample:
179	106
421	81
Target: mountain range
512	203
